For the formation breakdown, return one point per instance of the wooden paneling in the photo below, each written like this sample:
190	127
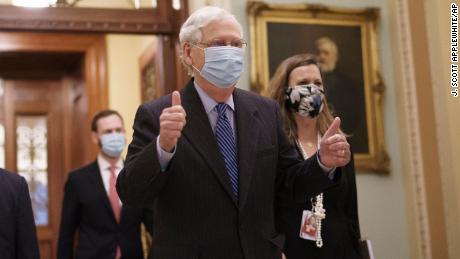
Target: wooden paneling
162	20
39	97
43	42
93	66
69	99
41	38
66	19
39	64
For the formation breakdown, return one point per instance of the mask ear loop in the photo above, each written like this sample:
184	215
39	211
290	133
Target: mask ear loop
196	46
196	69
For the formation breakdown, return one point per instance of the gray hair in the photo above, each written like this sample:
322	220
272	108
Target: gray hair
191	29
330	42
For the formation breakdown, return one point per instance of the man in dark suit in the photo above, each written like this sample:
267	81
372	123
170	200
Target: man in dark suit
91	204
18	238
213	176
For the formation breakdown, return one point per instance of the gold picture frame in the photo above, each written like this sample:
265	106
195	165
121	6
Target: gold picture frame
148	63
281	30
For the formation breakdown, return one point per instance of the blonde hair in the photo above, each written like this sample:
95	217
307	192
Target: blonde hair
277	88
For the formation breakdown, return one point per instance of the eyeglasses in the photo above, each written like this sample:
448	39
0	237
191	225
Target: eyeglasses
238	43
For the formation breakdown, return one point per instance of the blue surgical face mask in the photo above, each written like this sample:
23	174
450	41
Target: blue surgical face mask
112	144
305	100
222	65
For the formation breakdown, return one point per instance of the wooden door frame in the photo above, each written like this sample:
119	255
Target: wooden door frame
73	30
14	107
94	75
79	19
163	21
94	69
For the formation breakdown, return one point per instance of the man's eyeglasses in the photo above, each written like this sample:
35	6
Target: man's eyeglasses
239	43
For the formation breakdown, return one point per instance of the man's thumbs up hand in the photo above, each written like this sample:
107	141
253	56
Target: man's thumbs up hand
175	98
172	121
334	149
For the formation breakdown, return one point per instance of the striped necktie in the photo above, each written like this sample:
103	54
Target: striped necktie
227	145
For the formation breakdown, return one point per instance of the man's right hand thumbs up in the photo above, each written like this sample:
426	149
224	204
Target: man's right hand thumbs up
334	149
172	121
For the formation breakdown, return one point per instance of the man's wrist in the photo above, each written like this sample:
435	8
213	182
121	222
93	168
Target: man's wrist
164	157
325	168
165	149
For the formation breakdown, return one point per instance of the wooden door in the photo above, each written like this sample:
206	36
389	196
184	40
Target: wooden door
34	126
51	84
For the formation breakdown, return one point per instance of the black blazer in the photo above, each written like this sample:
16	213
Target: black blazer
86	207
340	228
18	238
196	214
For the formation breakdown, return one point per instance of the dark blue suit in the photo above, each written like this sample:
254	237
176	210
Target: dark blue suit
196	213
87	208
18	238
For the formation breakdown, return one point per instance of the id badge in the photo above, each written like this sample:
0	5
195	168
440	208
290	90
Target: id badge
308	226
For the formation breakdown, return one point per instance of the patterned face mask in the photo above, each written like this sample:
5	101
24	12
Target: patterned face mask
305	100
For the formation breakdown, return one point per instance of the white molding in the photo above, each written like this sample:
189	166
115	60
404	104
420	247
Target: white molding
416	170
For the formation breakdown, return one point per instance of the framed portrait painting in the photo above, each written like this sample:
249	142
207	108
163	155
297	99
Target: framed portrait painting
345	44
148	63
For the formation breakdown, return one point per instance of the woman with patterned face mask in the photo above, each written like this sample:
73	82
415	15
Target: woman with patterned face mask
332	216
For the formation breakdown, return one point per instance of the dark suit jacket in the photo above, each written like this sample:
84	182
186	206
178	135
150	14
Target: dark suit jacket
196	214
18	238
340	228
87	208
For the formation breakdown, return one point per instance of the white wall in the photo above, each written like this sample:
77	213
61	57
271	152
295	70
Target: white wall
381	198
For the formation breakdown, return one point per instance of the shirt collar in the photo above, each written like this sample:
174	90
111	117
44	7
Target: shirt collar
208	102
104	164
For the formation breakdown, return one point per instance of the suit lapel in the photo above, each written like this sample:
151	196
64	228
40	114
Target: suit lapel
99	187
199	133
247	137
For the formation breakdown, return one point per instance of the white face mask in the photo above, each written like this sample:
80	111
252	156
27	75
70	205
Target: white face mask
222	65
113	144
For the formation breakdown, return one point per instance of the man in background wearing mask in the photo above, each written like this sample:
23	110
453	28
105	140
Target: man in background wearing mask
107	229
213	176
